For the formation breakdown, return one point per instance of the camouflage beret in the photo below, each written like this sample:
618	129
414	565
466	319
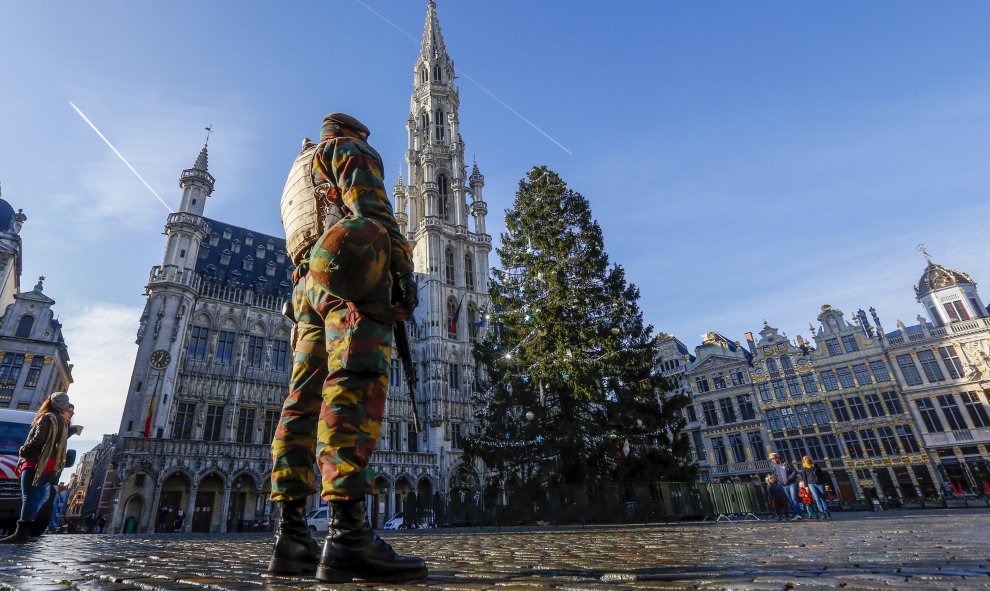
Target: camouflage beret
344	120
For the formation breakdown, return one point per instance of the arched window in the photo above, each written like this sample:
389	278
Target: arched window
424	125
772	368
443	201
448	266
438	125
424	77
785	362
437	73
452	318
472	319
468	271
24	326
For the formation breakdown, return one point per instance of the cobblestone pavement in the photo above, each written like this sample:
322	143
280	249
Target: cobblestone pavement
945	550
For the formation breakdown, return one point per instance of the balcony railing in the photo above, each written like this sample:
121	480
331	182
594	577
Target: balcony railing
182	217
184	448
411	459
954	328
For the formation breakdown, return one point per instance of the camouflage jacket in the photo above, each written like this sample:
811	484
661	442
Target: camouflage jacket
353	171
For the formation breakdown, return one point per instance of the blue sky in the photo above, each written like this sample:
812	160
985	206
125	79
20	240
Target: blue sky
747	160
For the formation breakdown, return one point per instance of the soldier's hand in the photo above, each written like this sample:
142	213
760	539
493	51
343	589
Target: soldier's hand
408	293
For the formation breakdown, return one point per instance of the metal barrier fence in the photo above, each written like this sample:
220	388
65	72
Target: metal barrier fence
611	503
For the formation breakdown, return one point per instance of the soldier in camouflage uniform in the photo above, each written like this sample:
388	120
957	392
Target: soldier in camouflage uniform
341	304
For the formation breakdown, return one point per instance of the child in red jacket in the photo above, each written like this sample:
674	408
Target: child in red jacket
804	493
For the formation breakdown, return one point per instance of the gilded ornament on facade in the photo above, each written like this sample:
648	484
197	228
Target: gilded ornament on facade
977	354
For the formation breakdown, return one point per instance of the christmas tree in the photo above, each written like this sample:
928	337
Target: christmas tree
571	394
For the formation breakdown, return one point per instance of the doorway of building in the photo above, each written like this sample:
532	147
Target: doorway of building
203	514
904	482
167	510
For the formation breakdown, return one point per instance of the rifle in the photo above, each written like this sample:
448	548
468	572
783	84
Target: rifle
405	356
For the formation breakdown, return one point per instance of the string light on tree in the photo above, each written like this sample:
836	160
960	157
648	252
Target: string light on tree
569	360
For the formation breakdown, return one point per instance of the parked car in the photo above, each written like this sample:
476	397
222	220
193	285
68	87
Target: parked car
425	520
317	520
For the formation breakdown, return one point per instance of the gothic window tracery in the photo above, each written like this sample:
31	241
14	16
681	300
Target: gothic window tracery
443	198
448	267
437	73
439	130
472	319
468	271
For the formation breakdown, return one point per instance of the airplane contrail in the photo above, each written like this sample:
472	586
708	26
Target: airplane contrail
471	80
119	155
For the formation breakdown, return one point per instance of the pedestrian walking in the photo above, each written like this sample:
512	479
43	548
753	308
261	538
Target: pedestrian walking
163	514
817	481
779	502
787	476
41	460
342	340
58	508
807	501
180	516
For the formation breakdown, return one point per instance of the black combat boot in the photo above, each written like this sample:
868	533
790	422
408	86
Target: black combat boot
21	535
352	550
296	552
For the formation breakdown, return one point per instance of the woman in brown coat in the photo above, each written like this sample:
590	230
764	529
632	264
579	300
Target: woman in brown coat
42	460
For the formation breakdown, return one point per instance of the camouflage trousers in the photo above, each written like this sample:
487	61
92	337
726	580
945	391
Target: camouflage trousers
336	400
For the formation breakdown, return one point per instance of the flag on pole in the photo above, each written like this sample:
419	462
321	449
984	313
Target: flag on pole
457	313
151	413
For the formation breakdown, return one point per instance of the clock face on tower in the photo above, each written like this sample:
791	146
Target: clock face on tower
160	359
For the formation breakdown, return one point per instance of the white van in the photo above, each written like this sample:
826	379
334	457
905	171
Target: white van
317	520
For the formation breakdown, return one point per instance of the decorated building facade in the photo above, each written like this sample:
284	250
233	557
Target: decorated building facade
34	358
902	415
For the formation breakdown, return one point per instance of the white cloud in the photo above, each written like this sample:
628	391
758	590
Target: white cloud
100	337
160	136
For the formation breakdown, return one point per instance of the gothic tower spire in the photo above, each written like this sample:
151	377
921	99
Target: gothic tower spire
450	244
197	182
432	39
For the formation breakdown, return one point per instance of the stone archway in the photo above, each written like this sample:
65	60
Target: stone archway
424	512
243	499
206	513
265	508
424	489
133	508
463	480
380	502
174	497
461	504
402	489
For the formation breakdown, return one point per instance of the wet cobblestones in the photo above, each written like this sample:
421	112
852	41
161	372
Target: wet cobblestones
944	550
